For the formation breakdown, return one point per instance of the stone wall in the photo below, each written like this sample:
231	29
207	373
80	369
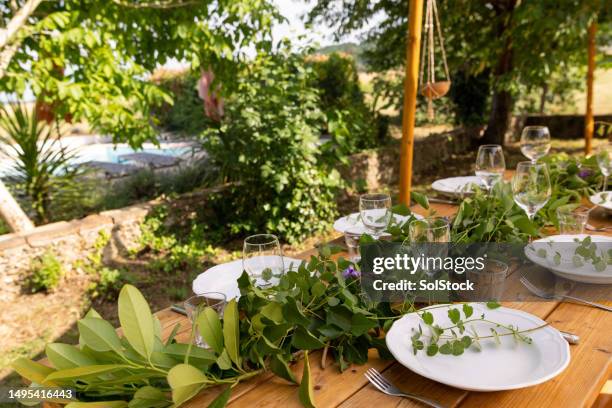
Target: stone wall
563	126
379	167
69	240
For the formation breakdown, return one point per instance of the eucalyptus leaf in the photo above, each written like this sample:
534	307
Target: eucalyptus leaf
31	370
64	356
99	335
98	404
224	361
210	329
136	320
306	392
185	381
231	331
149	397
222	399
280	367
79	373
304	340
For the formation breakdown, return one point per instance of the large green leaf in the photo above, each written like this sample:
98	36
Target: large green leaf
224	361
304	340
99	335
78	373
222	399
186	381
280	367
306	390
209	326
31	370
98	404
231	331
64	356
149	397
136	320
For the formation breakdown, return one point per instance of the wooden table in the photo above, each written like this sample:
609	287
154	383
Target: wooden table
578	386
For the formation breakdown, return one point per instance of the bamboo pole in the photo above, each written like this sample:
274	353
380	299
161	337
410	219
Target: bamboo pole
413	43
589	123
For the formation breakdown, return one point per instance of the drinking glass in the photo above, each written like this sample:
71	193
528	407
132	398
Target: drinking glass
572	220
262	258
428	236
535	142
490	164
604	160
531	187
196	304
375	210
489	282
351	238
432	229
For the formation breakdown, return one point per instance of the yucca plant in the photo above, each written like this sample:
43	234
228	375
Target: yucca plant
41	171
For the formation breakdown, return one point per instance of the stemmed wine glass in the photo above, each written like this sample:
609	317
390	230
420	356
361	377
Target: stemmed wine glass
375	210
490	164
262	258
531	187
535	142
604	160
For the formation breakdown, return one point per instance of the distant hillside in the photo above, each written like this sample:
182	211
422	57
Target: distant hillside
356	50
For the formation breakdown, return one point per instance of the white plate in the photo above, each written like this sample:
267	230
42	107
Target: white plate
223	277
457	186
354	224
566	269
507	366
602	199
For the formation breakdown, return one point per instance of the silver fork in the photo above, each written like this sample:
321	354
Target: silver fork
384	386
596	229
550	295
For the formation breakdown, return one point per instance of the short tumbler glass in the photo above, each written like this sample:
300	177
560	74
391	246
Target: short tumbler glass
196	304
572	220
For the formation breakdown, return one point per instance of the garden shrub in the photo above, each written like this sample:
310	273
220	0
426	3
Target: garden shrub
46	273
336	77
186	114
268	142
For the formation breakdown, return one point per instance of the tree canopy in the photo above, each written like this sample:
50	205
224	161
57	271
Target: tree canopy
90	59
518	45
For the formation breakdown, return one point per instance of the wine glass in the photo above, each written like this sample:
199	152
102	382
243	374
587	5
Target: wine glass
531	187
535	142
375	210
604	160
490	164
262	259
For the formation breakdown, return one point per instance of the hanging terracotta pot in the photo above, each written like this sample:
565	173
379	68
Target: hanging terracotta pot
435	90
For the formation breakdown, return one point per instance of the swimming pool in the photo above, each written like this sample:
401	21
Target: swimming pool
108	152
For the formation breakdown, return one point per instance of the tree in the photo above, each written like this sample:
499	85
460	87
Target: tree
518	44
90	59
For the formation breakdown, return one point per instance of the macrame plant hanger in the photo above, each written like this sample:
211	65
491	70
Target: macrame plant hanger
432	89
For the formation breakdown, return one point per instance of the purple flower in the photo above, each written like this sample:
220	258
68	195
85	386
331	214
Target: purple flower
351	272
584	173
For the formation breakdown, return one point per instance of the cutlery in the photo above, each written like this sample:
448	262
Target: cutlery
386	387
442	201
545	294
597	229
571	338
178	309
